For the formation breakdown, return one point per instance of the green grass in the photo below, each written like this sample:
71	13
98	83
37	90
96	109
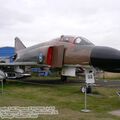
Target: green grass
67	99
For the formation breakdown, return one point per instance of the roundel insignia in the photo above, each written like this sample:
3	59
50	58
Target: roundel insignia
40	57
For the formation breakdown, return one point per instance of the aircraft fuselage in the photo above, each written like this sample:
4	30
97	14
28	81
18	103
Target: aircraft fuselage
77	51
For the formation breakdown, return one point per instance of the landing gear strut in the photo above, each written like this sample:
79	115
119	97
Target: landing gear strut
89	80
63	78
4	80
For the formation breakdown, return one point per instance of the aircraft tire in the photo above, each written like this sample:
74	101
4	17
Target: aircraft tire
88	89
82	89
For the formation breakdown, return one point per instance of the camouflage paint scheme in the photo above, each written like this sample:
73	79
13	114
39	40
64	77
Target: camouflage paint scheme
73	54
77	51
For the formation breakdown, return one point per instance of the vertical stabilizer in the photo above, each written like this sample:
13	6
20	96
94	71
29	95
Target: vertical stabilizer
18	44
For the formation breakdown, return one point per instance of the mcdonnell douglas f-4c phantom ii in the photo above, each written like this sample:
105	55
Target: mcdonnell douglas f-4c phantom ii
68	53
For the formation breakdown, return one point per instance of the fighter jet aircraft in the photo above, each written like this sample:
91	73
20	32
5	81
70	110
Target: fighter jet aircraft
69	53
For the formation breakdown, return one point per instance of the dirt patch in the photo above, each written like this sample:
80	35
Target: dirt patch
116	112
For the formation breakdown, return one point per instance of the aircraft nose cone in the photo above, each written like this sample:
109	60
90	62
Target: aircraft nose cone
106	58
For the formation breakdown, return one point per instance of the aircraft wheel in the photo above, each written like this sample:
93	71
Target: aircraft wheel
88	89
83	89
63	78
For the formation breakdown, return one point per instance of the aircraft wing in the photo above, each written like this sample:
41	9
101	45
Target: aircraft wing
77	65
21	64
24	64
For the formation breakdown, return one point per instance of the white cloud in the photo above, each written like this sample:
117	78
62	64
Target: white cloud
38	20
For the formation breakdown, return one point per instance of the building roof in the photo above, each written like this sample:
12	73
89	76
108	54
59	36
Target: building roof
7	51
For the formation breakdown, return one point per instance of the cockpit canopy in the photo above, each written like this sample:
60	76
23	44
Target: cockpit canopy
75	40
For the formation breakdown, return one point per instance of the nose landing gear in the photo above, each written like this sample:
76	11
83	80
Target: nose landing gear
89	80
88	89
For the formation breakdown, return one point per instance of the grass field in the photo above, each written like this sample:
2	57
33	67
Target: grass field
66	97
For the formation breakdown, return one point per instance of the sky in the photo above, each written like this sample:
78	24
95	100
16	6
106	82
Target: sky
36	21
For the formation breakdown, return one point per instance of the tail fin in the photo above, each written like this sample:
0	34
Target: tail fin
18	44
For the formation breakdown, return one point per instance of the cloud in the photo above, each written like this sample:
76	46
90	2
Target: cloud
11	15
38	20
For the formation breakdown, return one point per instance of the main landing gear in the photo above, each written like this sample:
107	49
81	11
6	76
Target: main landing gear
2	76
64	78
88	89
